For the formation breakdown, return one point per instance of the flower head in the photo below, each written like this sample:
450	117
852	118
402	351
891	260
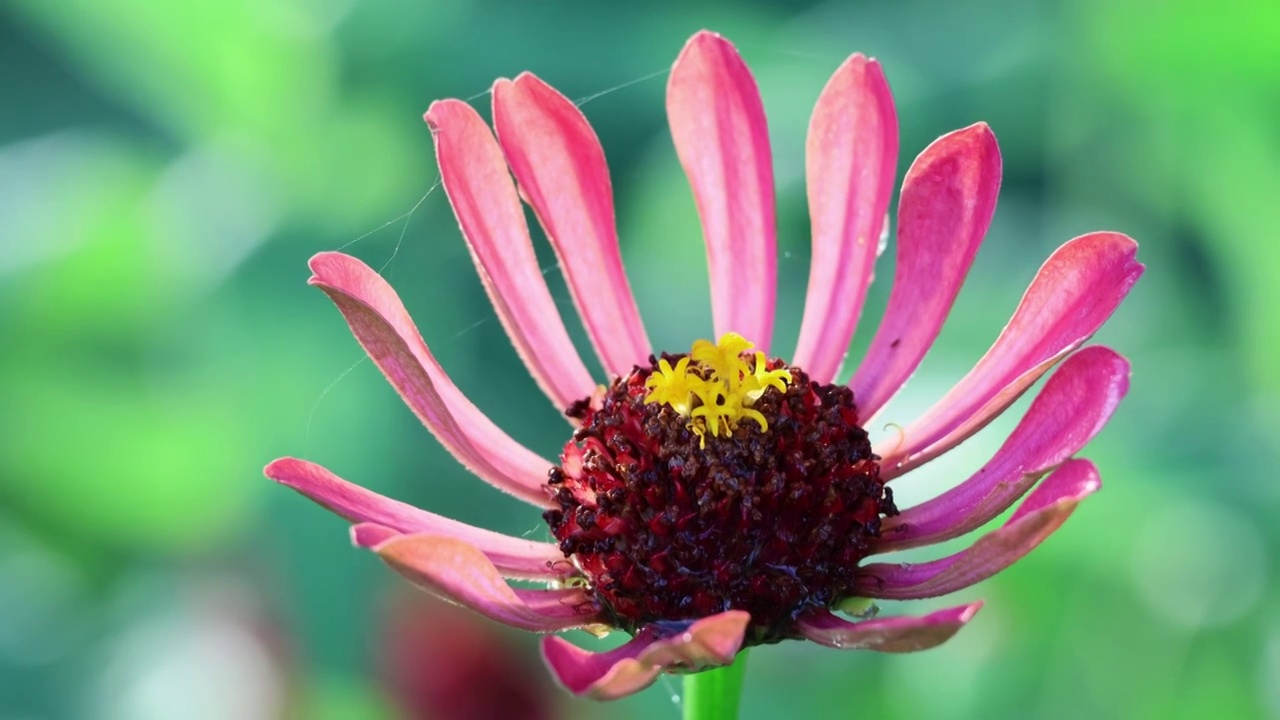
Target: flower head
724	497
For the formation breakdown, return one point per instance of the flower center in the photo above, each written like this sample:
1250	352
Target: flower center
717	480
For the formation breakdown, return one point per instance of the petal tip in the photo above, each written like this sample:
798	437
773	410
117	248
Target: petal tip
503	85
370	535
281	469
705	41
437	113
325	265
969	611
705	36
527	77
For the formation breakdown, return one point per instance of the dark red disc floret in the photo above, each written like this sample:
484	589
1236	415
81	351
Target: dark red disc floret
772	522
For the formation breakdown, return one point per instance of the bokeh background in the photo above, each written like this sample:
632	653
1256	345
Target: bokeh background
167	168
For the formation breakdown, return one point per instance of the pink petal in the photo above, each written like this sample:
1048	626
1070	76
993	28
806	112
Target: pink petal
709	642
370	535
385	330
1073	406
560	166
894	635
514	557
851	158
718	125
1074	292
1044	510
484	198
948	198
453	570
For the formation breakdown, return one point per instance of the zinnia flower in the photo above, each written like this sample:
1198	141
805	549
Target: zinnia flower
720	498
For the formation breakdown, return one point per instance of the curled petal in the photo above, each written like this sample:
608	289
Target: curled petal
894	635
560	166
385	330
484	198
709	642
453	570
516	558
948	199
1074	292
1044	511
1073	406
718	125
851	158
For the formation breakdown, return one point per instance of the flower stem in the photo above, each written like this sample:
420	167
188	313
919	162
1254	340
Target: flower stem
714	694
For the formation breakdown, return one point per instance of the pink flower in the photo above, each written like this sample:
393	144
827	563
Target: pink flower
720	498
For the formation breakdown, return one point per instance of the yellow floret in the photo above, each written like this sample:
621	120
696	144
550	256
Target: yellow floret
763	378
715	386
673	386
724	359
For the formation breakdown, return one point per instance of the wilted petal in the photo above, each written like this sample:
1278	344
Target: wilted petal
851	158
895	634
484	198
1073	406
561	170
709	642
1074	292
385	330
948	199
453	570
718	125
1044	511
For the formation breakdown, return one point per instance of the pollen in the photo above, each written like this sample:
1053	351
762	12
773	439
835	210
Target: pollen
716	385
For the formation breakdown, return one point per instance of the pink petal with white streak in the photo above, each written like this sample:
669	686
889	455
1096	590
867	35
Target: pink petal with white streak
1074	292
1073	406
1043	512
453	570
948	199
385	330
514	557
709	642
893	635
562	173
851	158
475	177
718	125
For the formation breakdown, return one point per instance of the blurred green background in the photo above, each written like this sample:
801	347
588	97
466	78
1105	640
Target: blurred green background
167	168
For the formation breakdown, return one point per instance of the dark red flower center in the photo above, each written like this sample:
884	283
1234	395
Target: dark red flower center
669	520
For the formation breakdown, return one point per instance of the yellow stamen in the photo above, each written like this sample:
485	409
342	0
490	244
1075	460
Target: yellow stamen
715	387
672	386
724	359
763	378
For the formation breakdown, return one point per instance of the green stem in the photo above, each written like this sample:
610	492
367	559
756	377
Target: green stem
714	694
